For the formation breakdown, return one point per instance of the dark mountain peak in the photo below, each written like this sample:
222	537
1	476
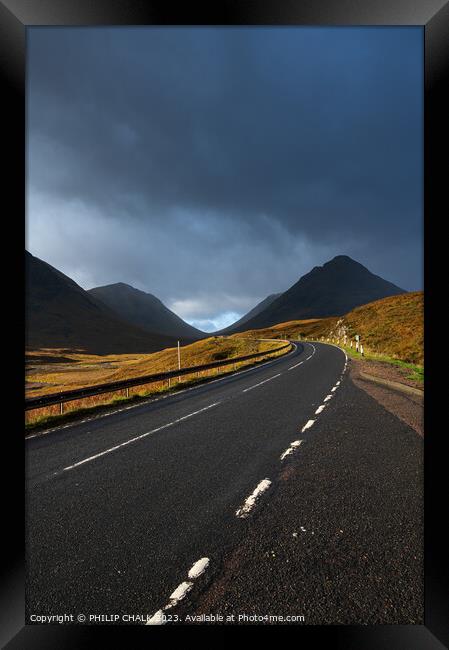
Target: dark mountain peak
61	314
342	261
123	288
333	289
144	310
341	258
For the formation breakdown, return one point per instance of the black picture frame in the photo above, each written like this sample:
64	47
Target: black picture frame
433	16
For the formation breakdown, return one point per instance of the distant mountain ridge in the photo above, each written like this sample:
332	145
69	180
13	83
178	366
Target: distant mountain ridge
60	314
145	311
251	314
333	289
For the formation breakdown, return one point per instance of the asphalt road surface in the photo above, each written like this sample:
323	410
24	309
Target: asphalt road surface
183	504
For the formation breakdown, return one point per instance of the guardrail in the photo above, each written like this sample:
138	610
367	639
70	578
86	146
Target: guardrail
99	389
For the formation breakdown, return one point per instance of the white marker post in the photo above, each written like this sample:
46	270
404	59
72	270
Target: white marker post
179	360
361	349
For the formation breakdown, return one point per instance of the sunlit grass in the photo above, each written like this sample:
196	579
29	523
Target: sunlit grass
46	416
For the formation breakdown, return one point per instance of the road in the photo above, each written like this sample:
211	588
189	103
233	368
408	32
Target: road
120	508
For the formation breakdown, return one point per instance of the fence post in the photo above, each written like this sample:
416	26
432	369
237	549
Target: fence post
61	408
127	391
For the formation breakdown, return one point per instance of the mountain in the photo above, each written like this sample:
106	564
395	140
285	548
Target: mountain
60	314
333	289
145	311
251	314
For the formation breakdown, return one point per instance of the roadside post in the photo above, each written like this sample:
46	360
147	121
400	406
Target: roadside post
179	360
357	339
361	349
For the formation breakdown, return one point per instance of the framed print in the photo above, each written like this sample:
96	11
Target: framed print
230	218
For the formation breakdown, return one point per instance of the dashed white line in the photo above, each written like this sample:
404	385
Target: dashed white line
291	449
326	399
296	365
198	568
250	502
261	382
135	439
180	592
307	425
320	409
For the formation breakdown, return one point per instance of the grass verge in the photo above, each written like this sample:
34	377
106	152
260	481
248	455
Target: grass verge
416	372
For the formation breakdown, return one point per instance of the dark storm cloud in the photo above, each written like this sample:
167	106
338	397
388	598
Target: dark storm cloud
215	166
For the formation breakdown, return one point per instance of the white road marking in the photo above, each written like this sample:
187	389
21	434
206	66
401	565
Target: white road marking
320	408
156	619
338	383
180	592
296	365
291	449
326	399
199	568
250	502
143	435
334	389
307	425
261	382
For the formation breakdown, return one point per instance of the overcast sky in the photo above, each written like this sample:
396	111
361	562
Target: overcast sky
212	167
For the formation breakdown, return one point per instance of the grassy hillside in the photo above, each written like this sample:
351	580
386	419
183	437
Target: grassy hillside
392	327
311	328
50	371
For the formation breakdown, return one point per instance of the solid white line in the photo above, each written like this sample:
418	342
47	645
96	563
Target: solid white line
261	382
251	500
143	435
307	425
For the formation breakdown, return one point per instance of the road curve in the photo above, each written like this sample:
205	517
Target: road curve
121	508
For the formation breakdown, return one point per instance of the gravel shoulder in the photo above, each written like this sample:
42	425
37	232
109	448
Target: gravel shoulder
407	407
